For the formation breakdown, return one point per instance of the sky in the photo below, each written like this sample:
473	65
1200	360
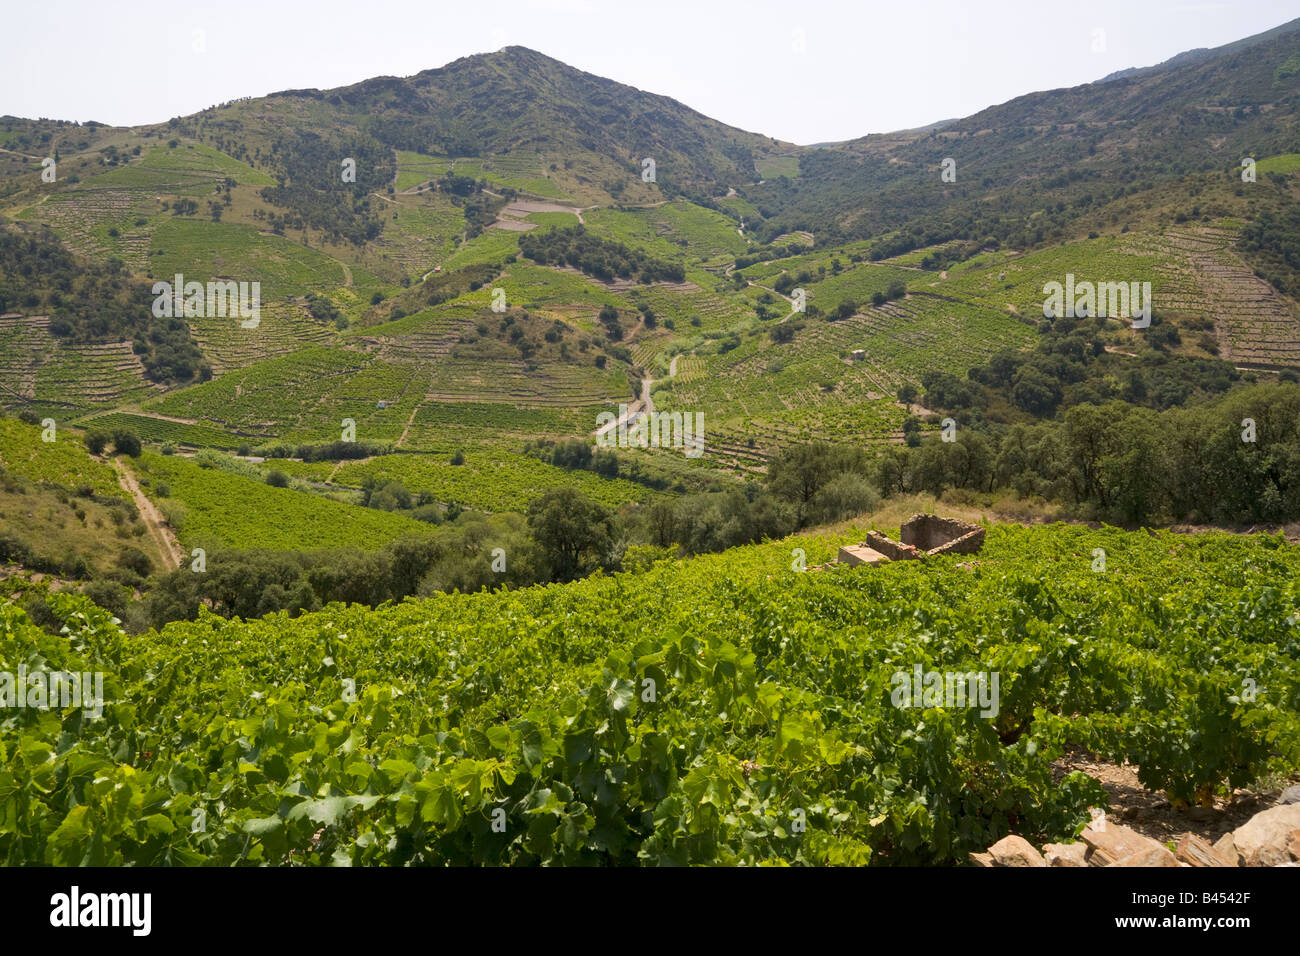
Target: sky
809	71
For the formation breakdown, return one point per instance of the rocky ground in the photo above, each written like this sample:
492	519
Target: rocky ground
1142	828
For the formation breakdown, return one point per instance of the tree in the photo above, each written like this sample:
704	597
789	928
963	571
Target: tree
126	442
96	441
844	496
797	473
1035	392
573	532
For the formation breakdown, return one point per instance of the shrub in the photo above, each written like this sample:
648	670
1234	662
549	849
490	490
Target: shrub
136	561
126	442
96	441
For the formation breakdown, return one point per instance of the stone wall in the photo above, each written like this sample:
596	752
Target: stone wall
890	549
935	535
969	543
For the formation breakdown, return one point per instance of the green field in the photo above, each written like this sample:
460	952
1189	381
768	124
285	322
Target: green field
1286	164
162	430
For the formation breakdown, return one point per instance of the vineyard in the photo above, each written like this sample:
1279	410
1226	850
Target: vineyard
723	710
220	509
34	365
63	462
162	430
674	231
305	395
516	171
490	479
810	387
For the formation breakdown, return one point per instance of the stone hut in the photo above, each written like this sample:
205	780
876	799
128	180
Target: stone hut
922	535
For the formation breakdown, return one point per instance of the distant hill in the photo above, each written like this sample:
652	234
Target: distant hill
1201	54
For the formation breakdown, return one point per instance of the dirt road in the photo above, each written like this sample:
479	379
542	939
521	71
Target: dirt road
168	547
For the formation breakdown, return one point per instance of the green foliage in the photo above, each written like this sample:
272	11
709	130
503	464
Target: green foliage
1272	243
92	303
63	462
722	711
596	257
233	511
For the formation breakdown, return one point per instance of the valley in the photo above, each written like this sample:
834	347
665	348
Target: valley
403	467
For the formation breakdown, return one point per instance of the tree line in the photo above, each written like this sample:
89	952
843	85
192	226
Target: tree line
601	258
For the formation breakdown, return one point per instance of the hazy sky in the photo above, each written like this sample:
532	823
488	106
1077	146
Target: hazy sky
807	71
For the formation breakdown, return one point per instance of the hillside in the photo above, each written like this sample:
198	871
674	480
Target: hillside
458	273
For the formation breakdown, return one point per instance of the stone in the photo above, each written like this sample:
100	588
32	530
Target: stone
1156	855
1262	840
1114	842
1195	851
1015	851
1290	795
1226	847
1293	844
981	859
1066	854
856	554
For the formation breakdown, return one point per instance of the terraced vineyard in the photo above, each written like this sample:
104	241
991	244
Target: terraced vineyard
1014	283
517	171
34	365
159	430
419	236
1256	327
127	199
513	383
305	396
425	336
856	285
672	231
682	302
445	428
811	387
82	217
